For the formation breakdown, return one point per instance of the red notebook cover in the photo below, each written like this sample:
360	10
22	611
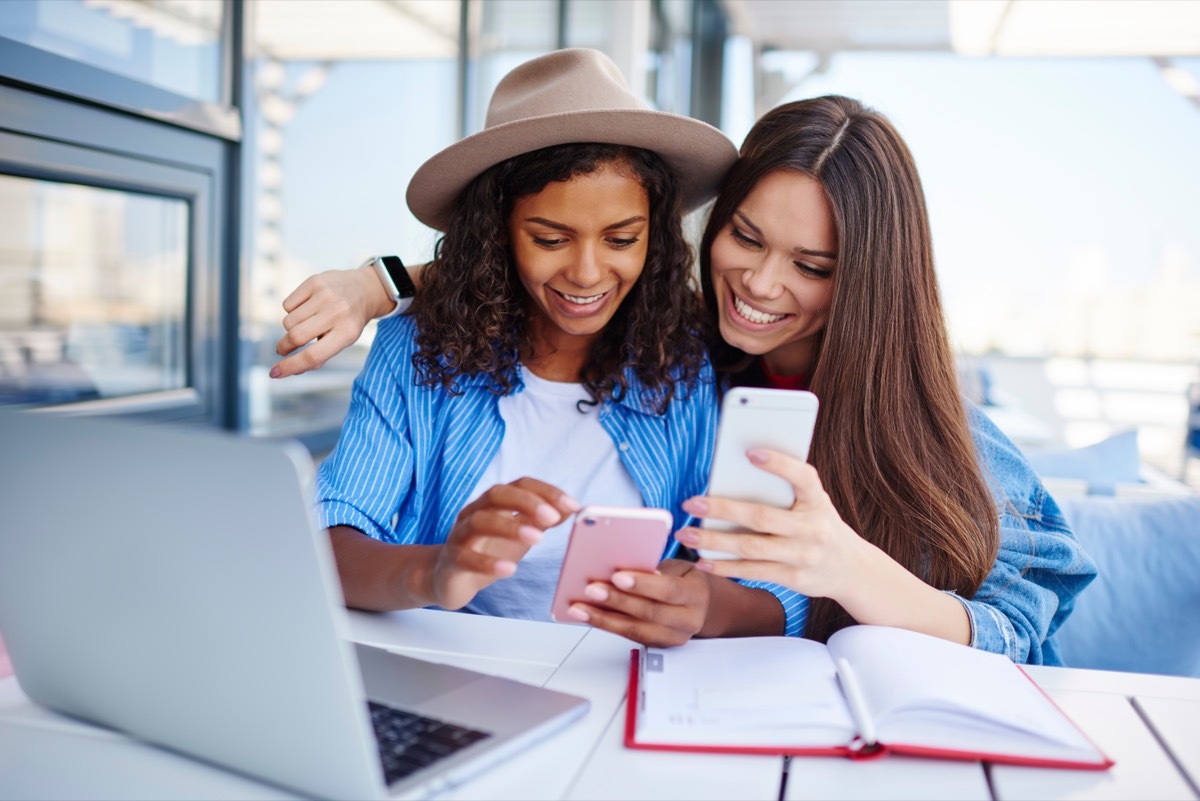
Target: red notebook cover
854	750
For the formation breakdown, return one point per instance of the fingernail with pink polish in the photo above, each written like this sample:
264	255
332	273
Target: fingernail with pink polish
530	534
547	514
622	581
595	592
577	613
756	456
695	506
276	372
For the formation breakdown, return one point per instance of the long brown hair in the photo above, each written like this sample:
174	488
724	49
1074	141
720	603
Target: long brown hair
471	310
892	444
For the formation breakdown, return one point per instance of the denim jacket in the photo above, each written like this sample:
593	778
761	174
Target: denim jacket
1039	570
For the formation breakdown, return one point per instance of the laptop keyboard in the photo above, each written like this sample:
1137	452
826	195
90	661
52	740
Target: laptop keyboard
409	742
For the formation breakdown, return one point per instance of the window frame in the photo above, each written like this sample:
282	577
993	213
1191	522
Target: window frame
48	138
25	65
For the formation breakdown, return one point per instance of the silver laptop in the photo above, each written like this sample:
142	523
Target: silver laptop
173	585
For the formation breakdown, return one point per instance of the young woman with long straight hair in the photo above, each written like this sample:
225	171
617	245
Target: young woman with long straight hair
915	511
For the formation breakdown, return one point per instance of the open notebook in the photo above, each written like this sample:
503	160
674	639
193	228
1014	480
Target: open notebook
870	691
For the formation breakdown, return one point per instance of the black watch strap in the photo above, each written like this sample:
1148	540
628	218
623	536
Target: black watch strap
396	280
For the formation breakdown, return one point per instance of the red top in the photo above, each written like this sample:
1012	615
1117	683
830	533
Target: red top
798	381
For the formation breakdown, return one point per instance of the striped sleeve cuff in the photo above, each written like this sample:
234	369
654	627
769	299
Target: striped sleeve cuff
795	605
340	513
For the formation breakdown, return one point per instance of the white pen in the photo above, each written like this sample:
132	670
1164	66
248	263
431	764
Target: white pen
858	704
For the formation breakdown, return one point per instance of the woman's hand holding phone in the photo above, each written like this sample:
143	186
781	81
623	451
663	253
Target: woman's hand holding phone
660	609
807	547
767	516
606	540
755	418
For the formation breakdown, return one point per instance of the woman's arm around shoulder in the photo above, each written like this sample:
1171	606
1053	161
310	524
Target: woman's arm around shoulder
329	310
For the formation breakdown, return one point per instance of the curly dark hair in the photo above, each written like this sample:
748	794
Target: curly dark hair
472	310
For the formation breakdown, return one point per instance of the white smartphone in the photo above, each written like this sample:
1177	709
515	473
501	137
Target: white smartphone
605	539
779	419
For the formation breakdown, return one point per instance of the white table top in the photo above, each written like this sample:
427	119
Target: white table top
1149	724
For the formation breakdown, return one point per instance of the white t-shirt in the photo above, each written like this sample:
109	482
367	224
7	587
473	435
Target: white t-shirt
549	437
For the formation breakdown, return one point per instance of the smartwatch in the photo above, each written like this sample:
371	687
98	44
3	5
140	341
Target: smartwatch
396	280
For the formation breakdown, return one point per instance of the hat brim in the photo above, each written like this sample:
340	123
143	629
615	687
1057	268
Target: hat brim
696	152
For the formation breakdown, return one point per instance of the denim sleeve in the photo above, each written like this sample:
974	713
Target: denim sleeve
1040	568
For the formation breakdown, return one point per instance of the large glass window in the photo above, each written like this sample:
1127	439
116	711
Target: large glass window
93	292
171	44
347	99
1063	199
112	299
669	72
509	32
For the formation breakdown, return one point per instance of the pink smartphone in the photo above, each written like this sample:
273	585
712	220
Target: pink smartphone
606	539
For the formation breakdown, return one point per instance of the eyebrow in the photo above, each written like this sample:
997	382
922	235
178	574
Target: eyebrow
560	227
825	254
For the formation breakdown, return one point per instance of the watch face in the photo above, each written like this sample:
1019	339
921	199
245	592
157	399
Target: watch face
400	277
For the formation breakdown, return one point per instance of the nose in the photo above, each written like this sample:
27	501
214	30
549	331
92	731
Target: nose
585	270
764	280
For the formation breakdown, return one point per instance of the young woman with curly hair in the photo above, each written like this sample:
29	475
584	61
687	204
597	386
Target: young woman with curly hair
915	511
553	351
473	315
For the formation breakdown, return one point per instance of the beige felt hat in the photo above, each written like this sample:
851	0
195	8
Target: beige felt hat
573	95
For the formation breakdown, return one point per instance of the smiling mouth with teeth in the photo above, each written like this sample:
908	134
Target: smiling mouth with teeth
754	315
581	301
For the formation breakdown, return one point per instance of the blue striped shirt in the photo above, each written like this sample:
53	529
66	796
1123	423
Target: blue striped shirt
409	456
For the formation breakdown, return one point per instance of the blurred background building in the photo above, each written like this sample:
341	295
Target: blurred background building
171	169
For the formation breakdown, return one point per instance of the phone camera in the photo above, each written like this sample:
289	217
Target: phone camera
589	521
745	401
